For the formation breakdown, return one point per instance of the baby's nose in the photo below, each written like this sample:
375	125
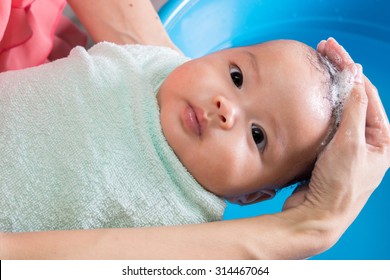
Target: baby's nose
226	111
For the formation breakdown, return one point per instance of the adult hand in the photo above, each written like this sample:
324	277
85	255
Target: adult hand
355	161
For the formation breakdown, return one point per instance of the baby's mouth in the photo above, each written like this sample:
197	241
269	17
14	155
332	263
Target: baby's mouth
193	120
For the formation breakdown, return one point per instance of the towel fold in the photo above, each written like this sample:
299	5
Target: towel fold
33	32
81	145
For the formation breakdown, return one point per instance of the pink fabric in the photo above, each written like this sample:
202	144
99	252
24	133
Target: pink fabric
33	32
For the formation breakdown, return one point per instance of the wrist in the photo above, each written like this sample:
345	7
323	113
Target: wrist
318	230
293	234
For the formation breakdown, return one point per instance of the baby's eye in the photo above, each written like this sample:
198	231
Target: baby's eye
236	75
258	136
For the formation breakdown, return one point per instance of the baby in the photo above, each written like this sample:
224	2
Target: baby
129	136
247	121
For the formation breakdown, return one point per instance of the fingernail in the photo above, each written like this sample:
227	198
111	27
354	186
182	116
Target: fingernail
321	46
358	73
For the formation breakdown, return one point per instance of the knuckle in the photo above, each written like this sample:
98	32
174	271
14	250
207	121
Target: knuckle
374	89
371	89
386	152
360	97
354	144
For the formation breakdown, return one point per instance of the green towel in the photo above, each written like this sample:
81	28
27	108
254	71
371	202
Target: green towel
81	145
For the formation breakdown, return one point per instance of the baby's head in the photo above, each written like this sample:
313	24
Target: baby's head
248	121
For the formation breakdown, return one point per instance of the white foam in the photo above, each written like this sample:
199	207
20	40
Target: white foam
340	87
340	90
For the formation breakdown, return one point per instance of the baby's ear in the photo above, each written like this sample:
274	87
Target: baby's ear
252	198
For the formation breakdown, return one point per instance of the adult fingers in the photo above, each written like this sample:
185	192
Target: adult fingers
377	122
377	126
335	52
376	114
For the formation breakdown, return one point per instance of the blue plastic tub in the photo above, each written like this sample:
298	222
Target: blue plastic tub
199	27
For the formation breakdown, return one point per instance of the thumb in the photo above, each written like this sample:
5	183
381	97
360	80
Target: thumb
296	198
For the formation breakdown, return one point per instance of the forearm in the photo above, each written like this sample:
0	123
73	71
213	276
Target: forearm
291	234
265	237
122	21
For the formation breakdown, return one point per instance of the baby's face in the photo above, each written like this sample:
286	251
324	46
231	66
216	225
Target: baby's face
246	119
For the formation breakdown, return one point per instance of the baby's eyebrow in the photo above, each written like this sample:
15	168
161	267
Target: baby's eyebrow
254	63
